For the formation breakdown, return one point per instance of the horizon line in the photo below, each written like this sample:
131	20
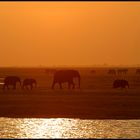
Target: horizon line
80	66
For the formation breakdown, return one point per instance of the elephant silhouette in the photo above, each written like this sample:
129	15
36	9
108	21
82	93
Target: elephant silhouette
112	71
62	76
122	71
137	71
11	80
29	82
93	71
120	83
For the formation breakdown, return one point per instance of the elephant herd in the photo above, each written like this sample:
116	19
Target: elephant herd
121	71
60	76
13	80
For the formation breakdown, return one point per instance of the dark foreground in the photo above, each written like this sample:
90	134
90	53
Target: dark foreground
84	104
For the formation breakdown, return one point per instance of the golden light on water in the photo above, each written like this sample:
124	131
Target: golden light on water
68	128
52	128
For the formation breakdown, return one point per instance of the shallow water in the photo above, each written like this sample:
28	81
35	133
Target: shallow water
68	128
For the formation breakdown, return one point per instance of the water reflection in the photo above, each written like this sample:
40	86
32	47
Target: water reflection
68	128
50	128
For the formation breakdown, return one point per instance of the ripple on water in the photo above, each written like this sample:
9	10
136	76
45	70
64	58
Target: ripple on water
68	128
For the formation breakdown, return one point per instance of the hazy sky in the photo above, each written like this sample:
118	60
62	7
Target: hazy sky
69	33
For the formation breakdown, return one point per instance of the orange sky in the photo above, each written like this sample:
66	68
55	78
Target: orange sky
69	33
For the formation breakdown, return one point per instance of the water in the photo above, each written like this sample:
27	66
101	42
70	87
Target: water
68	128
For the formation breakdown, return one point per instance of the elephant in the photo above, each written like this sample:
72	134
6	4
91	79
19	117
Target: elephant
120	83
112	71
93	71
137	71
11	80
29	82
62	76
122	71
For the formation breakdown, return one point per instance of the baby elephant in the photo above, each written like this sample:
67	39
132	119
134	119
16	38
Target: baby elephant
120	83
29	82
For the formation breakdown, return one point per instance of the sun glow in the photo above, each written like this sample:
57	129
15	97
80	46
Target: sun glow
55	128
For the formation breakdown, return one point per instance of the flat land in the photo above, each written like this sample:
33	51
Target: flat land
94	100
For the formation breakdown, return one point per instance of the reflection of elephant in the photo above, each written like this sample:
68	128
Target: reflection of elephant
29	82
11	80
62	76
120	83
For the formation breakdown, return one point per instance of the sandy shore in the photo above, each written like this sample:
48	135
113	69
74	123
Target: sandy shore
84	104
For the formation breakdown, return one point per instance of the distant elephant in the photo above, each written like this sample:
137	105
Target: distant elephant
11	80
112	71
137	71
122	71
93	71
120	83
29	82
62	76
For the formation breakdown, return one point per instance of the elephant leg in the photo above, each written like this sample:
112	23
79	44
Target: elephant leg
73	85
122	87
60	85
69	85
3	87
53	85
125	85
7	87
26	87
31	86
14	86
23	87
